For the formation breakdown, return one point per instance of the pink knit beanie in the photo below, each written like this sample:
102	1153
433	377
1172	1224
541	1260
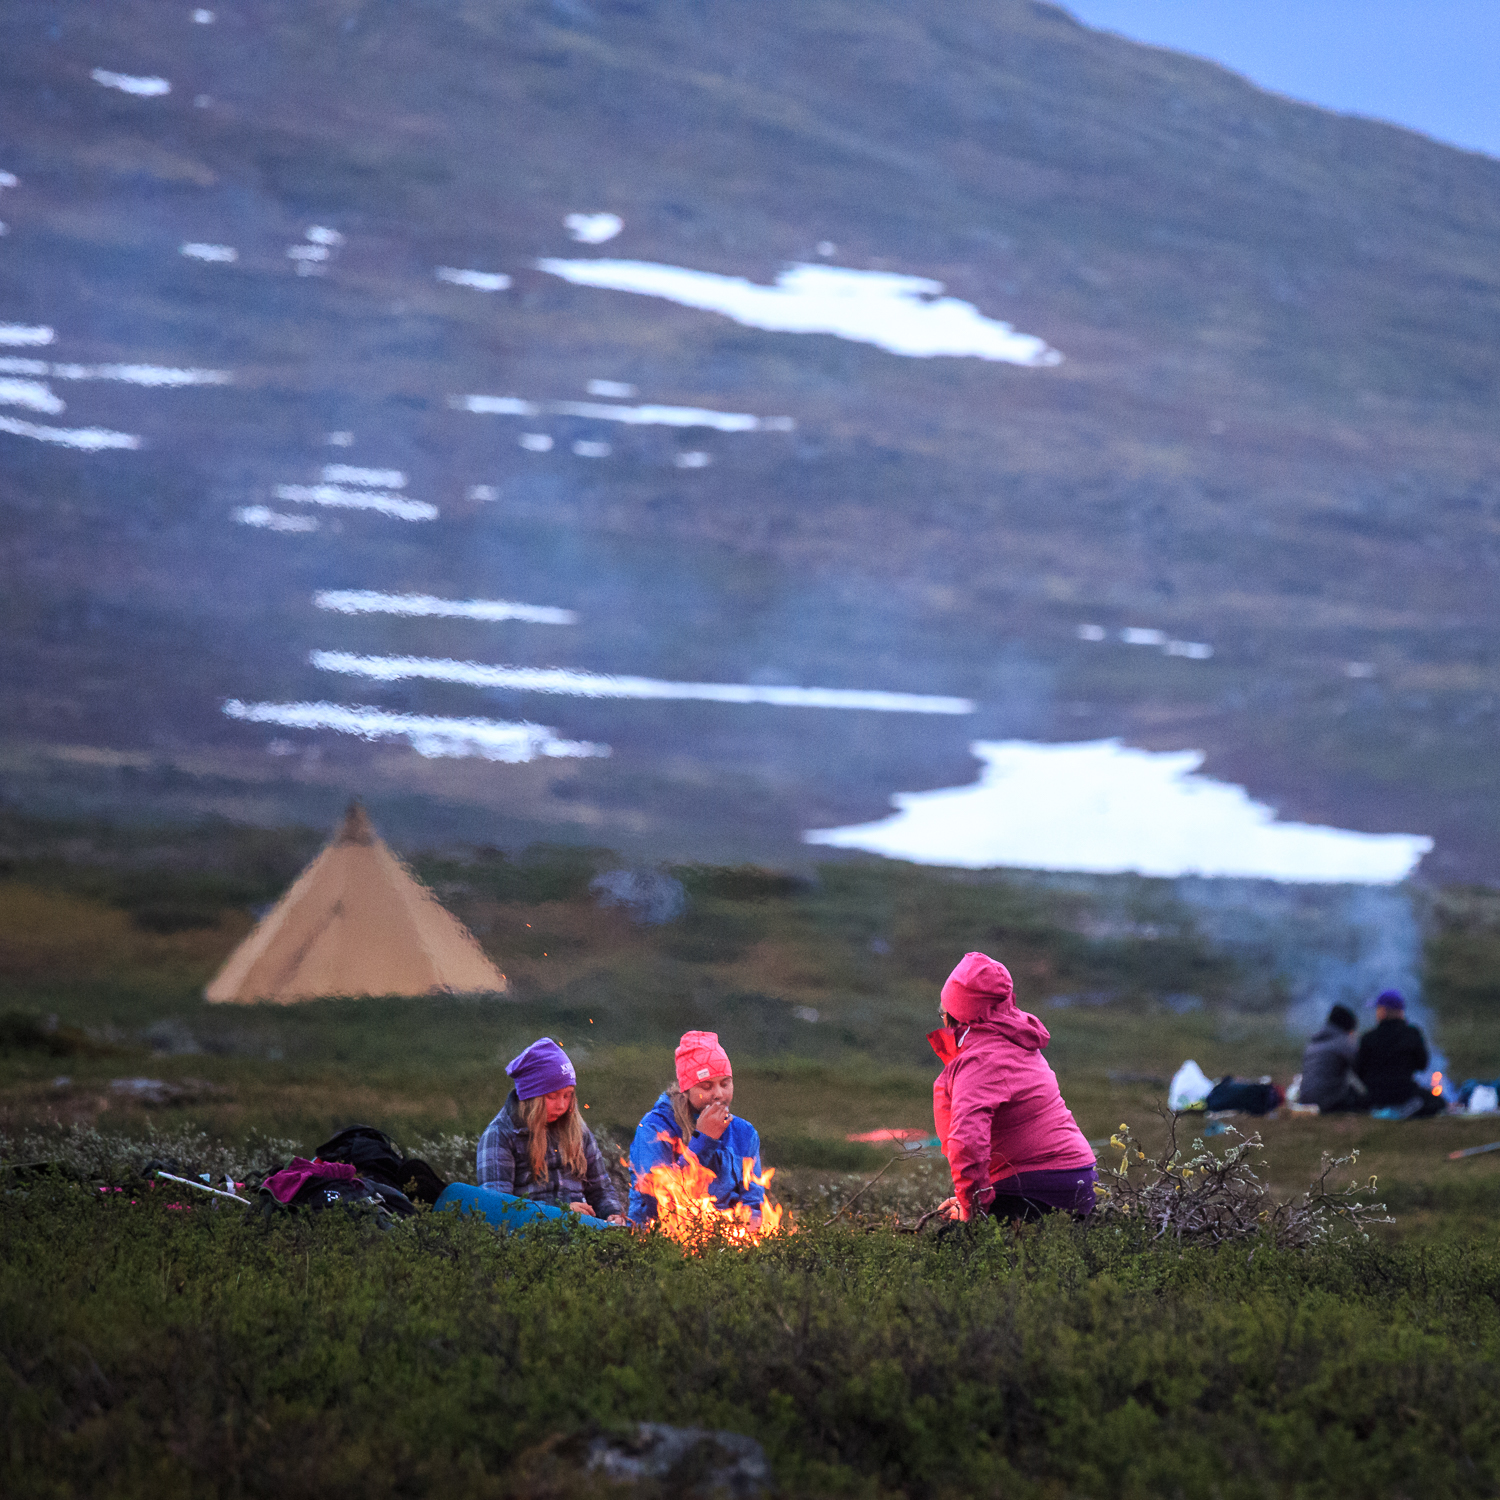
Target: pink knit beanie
976	987
699	1058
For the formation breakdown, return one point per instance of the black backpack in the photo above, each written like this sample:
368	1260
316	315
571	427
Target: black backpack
341	1192
373	1155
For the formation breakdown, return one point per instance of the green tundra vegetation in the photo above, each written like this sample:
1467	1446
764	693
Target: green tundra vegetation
155	1346
152	1351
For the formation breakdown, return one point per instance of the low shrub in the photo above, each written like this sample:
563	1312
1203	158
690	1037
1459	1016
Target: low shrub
156	1347
22	1032
85	1153
1208	1197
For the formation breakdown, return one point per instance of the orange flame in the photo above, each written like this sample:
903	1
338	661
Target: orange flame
1437	1085
686	1211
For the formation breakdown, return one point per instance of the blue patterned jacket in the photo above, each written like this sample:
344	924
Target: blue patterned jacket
724	1157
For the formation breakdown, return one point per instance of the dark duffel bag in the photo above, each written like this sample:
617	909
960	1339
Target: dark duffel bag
1245	1096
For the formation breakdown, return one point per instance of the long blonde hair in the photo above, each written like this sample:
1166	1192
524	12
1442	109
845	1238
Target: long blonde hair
681	1112
566	1134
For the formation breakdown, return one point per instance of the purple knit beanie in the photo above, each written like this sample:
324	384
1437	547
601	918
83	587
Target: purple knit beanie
542	1068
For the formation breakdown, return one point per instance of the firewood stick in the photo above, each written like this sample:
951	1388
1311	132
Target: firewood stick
905	1156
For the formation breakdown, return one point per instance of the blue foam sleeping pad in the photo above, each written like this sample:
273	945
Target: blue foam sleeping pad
505	1210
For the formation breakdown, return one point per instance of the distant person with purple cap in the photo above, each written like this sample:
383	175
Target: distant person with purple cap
538	1148
1390	1054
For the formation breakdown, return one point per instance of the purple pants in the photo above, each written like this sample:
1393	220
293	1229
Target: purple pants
1029	1195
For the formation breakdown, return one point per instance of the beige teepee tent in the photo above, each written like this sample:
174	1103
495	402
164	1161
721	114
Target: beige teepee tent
356	921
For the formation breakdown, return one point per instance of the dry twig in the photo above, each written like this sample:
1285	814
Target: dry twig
848	1203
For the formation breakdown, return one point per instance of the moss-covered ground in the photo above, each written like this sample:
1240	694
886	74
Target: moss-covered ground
150	1350
155	1352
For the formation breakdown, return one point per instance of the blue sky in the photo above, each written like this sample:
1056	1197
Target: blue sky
1433	65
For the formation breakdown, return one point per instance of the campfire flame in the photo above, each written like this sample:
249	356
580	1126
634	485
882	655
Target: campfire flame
686	1211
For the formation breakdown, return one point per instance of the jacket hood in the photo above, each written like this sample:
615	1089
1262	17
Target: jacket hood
1018	1027
978	988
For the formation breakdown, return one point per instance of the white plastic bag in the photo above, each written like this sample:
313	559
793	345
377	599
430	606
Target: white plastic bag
1189	1086
1484	1100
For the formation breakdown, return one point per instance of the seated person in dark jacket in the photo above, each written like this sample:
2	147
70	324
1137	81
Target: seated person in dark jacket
1389	1054
1328	1078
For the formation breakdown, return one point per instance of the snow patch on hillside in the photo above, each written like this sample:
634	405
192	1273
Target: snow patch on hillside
495	406
219	254
481	281
593	229
489	739
397	506
85	439
370	479
370	602
156	377
901	314
274	520
1104	808
31	394
575	684
653	415
127	83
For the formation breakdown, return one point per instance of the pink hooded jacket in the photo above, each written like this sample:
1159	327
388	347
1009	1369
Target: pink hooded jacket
996	1104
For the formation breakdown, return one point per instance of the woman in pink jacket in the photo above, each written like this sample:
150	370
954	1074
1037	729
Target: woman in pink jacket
1013	1147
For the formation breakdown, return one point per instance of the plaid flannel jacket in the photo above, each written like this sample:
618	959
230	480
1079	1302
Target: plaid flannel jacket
505	1163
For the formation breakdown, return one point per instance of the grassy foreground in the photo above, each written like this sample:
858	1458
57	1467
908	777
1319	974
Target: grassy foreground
155	1352
148	1349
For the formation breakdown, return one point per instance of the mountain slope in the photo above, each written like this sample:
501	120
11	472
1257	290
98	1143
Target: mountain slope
1272	431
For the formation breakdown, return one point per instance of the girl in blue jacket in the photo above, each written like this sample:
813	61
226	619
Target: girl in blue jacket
695	1113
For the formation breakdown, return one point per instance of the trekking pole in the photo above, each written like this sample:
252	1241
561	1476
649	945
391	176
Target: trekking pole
203	1187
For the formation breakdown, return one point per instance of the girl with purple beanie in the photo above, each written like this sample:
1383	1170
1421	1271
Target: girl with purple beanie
537	1149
